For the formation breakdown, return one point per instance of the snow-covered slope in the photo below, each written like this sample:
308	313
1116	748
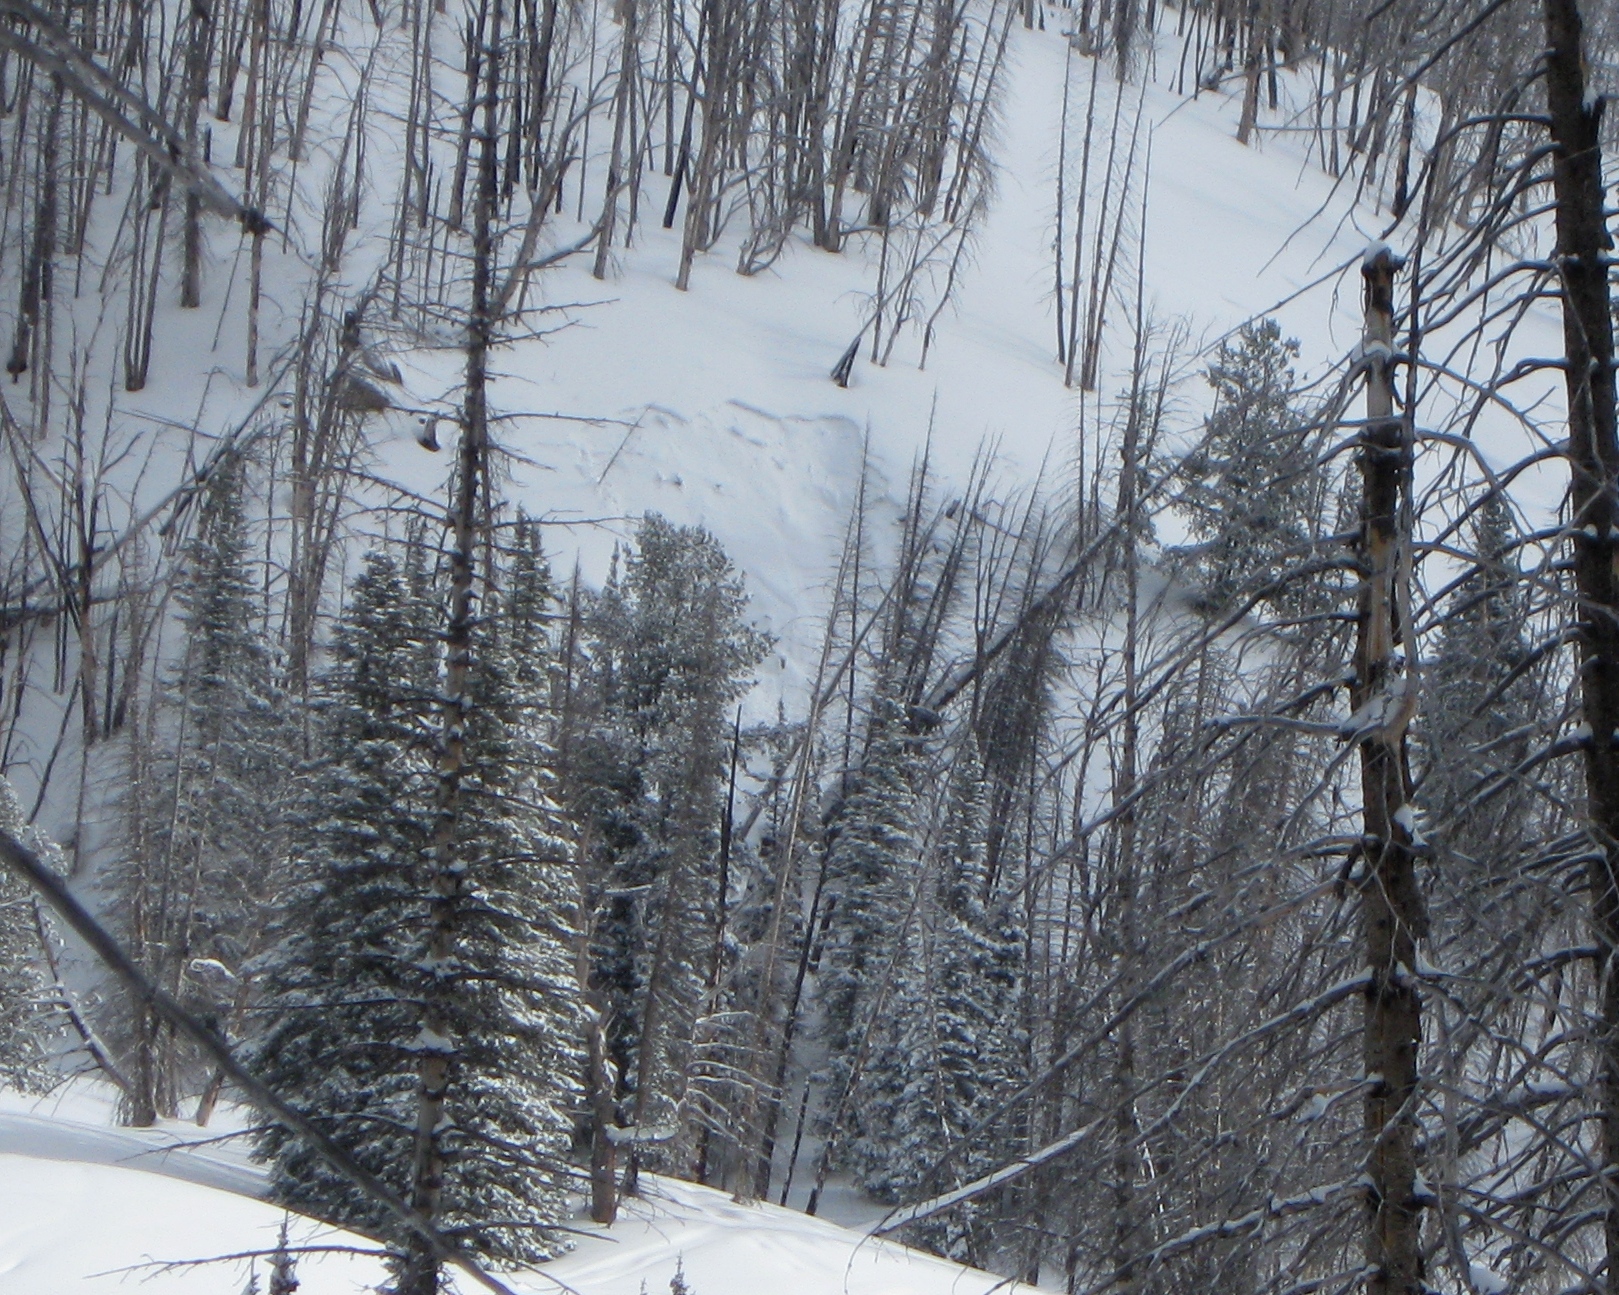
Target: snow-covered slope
714	406
76	1225
92	1208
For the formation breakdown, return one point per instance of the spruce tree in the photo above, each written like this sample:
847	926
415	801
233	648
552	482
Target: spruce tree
670	653
1483	689
952	1041
871	867
350	968
872	941
1478	690
1250	488
340	980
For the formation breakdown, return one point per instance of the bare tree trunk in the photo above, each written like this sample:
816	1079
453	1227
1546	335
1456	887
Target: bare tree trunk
195	91
262	124
1250	76
1402	174
1583	249
622	105
603	1152
1392	917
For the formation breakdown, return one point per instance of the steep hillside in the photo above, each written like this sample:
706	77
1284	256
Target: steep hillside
982	607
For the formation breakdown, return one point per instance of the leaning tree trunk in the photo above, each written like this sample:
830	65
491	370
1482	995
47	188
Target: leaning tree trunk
1583	246
419	1274
1392	918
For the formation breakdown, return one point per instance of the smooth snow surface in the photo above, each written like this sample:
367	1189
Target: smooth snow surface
78	1122
67	1227
89	1207
727	1248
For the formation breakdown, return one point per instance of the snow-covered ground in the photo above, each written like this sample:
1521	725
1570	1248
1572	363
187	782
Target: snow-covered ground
715	406
89	1207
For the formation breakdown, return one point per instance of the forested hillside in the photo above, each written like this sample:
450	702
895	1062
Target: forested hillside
999	612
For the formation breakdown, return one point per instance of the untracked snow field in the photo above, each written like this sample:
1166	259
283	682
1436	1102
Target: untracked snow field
88	1207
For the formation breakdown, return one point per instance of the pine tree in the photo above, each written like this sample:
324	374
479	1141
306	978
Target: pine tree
670	653
871	937
1477	688
349	970
870	867
340	980
952	1045
1483	689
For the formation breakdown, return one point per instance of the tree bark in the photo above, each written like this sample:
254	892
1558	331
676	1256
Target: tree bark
1583	246
1392	917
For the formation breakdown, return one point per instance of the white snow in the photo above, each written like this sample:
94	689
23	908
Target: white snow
1409	817
428	1040
1376	248
88	1207
82	1226
728	1247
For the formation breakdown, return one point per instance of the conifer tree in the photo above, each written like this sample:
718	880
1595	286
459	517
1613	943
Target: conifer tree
351	967
340	980
205	858
953	1039
1479	690
1250	487
24	1020
670	653
872	874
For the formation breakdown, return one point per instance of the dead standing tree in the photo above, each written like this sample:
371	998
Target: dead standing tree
1582	261
1383	698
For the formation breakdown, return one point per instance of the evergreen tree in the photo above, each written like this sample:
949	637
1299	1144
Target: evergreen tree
1480	695
669	654
341	982
25	1025
350	969
871	867
1251	490
207	850
952	1043
871	940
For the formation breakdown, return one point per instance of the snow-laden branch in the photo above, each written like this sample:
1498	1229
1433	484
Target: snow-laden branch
1017	1168
898	1218
31	869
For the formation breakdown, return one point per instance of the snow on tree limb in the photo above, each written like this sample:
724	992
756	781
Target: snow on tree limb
31	868
989	1182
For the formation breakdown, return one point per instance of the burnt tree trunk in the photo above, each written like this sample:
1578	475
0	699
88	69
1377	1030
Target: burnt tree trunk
1583	246
1383	698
